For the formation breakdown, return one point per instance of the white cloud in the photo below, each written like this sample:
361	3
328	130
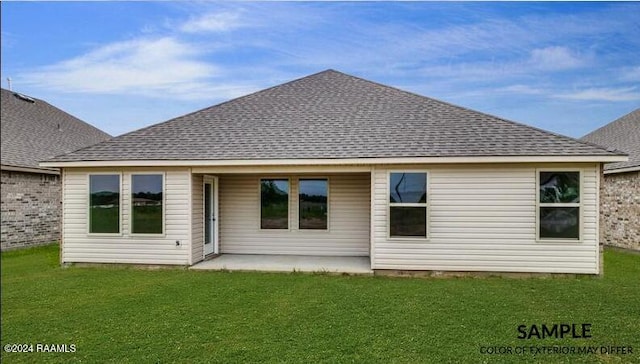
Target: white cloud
631	74
487	35
150	66
482	54
554	59
540	62
521	89
6	40
466	72
212	22
603	94
503	37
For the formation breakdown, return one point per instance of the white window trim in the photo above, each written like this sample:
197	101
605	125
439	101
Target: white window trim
426	205
260	179
164	204
121	199
328	229
579	205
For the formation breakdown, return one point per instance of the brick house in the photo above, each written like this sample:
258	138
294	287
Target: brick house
620	192
33	130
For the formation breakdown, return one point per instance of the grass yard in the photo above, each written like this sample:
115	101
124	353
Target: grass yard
126	315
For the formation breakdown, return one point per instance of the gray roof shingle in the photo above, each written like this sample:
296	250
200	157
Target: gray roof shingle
331	115
622	134
33	131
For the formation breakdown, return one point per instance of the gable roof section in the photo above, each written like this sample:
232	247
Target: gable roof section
622	134
33	131
329	116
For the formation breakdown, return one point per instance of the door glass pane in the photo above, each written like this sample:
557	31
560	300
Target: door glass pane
146	202
207	213
274	204
559	187
408	221
313	204
408	188
104	203
560	222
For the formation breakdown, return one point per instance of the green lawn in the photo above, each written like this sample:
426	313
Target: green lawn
175	315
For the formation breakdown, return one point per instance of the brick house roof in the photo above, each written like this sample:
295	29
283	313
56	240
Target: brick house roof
33	131
622	134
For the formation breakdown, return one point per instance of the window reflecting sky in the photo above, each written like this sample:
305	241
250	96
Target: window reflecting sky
313	187
408	187
147	183
104	182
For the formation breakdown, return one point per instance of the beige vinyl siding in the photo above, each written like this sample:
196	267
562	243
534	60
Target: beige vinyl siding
349	207
483	218
197	219
79	246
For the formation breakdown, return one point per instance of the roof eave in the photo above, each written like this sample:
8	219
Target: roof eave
43	169
622	170
344	161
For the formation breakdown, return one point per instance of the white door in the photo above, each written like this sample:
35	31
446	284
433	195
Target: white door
210	197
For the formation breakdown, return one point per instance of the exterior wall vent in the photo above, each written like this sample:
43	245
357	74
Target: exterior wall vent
24	97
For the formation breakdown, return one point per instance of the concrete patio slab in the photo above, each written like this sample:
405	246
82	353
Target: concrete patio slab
287	263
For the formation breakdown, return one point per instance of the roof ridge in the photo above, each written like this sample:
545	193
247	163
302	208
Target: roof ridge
482	112
31	121
59	109
623	133
194	112
621	118
380	117
78	119
222	103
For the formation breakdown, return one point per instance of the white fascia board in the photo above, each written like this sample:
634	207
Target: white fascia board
622	170
5	167
335	162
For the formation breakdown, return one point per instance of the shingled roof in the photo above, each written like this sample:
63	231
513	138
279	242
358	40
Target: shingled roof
622	134
33	131
331	115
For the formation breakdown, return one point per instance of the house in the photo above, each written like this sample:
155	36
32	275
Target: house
335	165
32	131
620	192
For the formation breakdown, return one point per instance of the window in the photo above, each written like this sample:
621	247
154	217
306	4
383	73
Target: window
408	204
274	203
104	203
559	205
146	204
312	204
49	178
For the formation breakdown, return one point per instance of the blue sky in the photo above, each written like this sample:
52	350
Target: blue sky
564	67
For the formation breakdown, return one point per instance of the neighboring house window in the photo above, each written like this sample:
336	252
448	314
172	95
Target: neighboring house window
104	203
559	205
49	178
274	203
312	203
147	203
408	204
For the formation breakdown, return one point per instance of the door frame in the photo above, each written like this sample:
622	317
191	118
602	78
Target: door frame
213	181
